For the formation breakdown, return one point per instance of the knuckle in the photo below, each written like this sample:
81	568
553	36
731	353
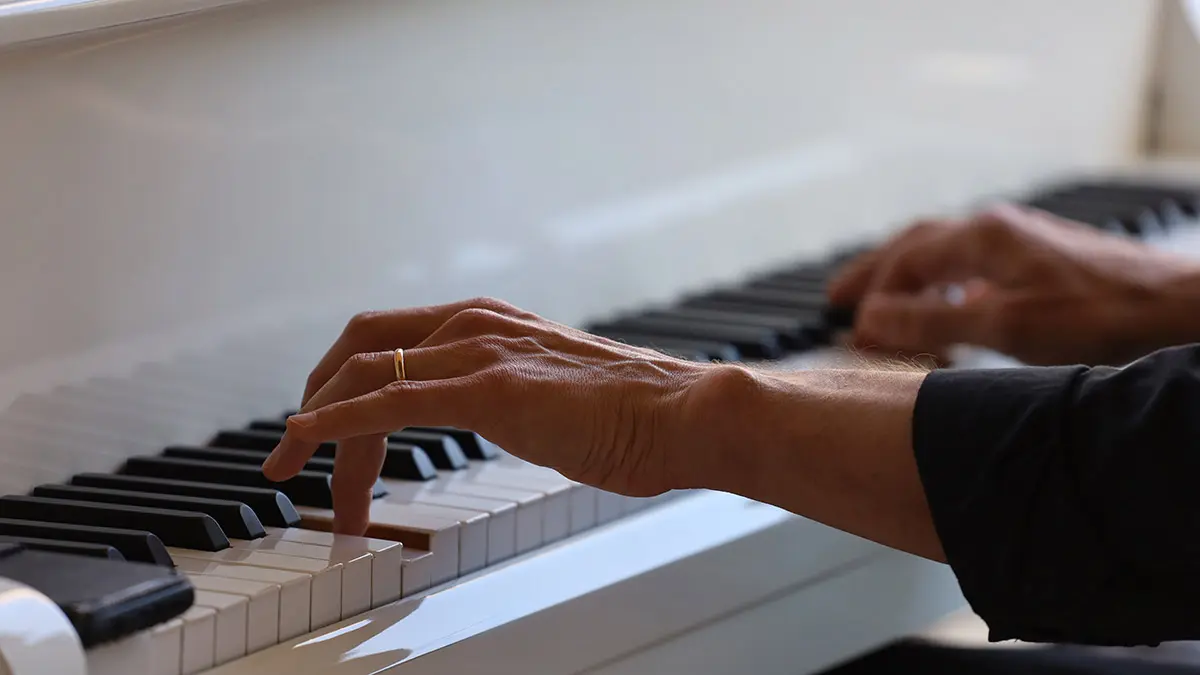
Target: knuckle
491	304
358	363
474	320
364	323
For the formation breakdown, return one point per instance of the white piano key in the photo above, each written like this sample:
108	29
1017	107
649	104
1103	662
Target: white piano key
502	515
556	490
387	563
131	654
609	507
199	640
232	621
262	615
418	571
356	566
472	533
584	505
295	590
530	507
167	657
436	534
326	607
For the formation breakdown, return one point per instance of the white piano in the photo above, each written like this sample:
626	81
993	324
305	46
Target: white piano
195	195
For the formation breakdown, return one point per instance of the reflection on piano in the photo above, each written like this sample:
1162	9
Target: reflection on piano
194	201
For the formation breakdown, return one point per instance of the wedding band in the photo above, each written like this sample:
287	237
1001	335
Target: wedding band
398	361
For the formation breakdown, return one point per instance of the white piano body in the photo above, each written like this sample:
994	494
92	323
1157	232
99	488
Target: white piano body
196	194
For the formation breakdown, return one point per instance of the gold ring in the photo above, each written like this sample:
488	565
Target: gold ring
398	362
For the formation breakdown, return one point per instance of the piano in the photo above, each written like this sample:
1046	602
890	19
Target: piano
196	195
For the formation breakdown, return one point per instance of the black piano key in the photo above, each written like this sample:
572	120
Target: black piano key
186	529
306	488
751	341
67	547
272	507
840	318
235	518
445	452
813	318
1187	198
250	439
401	462
716	351
771	297
1135	220
794	332
105	600
476	447
135	545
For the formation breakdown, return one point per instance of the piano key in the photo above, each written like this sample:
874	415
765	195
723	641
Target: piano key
105	600
418	571
262	613
326	579
501	535
556	492
295	590
167	648
231	624
175	528
475	447
751	341
135	545
67	547
445	452
437	535
309	488
199	640
795	332
530	505
387	560
1136	220
405	462
272	507
1187	199
772	297
246	439
234	518
714	351
356	566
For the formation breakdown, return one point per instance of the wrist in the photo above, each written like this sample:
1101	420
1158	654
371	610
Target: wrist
1173	314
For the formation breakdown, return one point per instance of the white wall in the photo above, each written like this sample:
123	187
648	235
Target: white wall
184	178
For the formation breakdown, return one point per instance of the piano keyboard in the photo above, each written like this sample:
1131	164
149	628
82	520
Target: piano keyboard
261	562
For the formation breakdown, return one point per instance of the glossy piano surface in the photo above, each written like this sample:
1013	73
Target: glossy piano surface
196	194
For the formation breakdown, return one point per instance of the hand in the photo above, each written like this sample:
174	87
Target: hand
598	411
1031	285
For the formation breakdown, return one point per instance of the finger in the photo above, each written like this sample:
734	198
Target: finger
921	323
461	402
356	465
404	328
476	323
365	373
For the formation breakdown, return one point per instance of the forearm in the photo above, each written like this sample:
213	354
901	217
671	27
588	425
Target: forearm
831	445
1172	312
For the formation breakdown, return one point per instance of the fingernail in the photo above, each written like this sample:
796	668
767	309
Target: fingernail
303	420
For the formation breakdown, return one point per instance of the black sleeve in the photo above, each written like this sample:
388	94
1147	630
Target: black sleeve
1067	499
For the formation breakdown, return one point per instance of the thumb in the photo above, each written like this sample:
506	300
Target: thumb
917	323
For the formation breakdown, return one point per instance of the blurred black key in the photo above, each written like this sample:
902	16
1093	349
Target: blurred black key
307	488
771	297
476	447
235	518
67	547
840	318
751	341
1135	220
445	452
135	545
401	462
272	507
793	332
813	318
716	351
185	529
252	439
1187	198
105	600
